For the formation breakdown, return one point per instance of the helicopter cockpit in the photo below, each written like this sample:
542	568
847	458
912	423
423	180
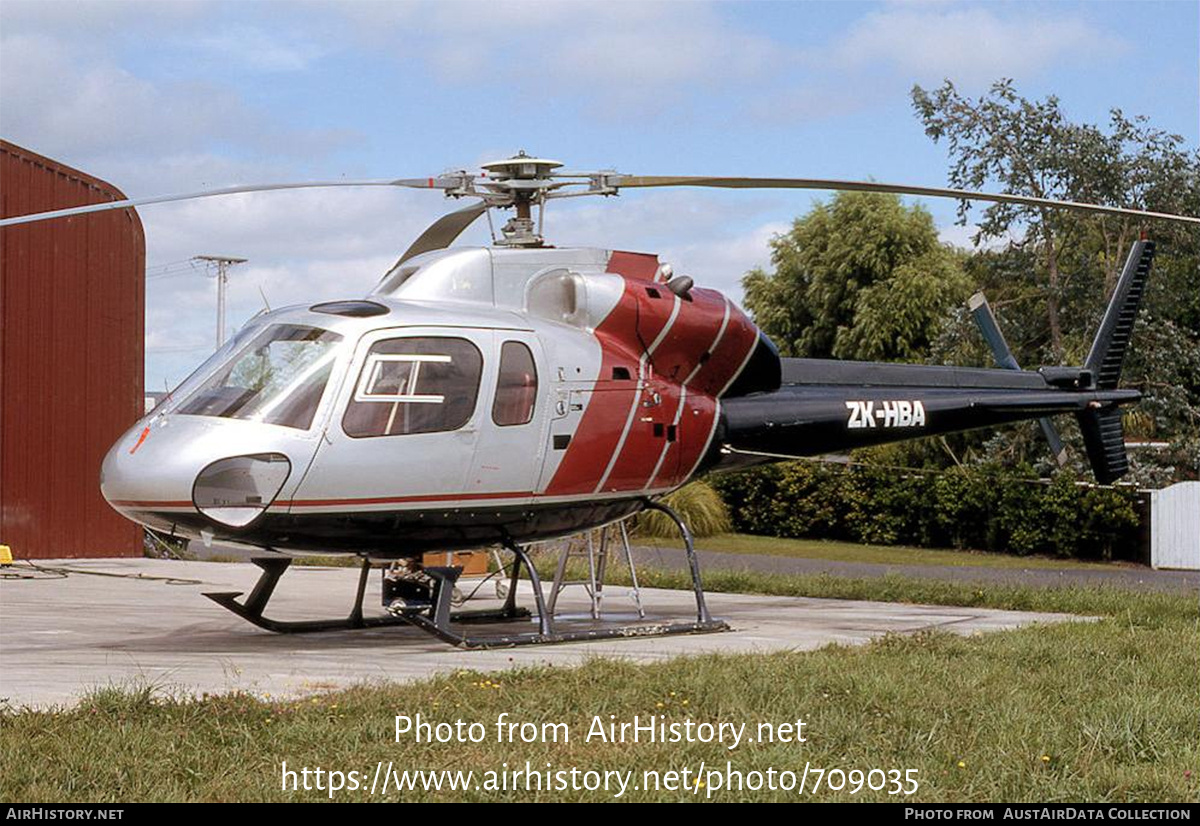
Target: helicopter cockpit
278	377
324	387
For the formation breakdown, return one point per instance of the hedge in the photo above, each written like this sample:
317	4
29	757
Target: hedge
981	508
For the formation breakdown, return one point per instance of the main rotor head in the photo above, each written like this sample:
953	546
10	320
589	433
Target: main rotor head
525	180
521	182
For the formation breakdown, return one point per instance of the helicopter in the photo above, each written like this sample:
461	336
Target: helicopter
522	392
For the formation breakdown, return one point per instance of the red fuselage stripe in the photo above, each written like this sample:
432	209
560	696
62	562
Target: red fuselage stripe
625	452
129	503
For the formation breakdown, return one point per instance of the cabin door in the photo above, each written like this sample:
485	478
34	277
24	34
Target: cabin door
404	431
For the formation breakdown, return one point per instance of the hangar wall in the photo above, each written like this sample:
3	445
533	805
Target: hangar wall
72	310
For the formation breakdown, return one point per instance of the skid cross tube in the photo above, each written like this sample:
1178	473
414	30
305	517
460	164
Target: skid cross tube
274	567
437	621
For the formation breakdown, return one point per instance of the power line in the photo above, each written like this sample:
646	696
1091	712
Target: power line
172	269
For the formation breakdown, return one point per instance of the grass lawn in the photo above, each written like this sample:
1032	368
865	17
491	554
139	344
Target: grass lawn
740	543
1100	711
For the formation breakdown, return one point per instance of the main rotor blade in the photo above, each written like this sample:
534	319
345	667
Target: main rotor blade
627	181
420	183
442	232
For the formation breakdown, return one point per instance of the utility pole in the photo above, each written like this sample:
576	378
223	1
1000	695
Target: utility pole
223	262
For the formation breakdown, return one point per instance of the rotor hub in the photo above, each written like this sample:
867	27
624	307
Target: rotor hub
521	167
525	181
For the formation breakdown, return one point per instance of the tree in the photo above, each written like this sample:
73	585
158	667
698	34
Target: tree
862	277
1050	286
1030	148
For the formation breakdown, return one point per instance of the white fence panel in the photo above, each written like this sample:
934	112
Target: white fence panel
1175	527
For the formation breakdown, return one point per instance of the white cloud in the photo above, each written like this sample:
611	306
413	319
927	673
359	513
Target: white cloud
256	48
878	57
968	45
607	55
819	100
93	22
62	104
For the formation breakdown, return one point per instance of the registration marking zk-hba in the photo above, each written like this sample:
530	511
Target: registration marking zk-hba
900	413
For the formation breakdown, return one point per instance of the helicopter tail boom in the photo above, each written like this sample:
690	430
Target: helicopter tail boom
825	406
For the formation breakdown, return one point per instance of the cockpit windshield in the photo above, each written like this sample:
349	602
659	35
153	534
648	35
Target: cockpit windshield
277	378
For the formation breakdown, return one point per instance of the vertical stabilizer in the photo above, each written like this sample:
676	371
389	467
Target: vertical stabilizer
1112	340
1103	435
1104	439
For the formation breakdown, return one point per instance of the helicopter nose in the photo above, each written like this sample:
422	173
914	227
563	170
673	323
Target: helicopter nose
179	471
142	480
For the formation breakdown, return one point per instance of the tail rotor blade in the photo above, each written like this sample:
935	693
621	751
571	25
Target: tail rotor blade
981	311
1057	449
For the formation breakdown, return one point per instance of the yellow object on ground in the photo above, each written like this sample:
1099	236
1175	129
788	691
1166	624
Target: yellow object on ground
5	555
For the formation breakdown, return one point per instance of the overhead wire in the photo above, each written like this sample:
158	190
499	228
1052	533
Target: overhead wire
174	269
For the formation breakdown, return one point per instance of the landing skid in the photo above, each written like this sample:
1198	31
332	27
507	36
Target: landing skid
437	619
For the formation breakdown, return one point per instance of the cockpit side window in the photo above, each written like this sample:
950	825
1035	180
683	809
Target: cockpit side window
516	387
414	385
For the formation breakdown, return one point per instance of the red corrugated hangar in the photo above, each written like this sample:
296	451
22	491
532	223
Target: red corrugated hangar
72	313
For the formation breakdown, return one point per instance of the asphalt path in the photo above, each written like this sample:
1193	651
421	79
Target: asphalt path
1119	575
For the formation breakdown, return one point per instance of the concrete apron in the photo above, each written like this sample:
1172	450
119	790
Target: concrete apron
63	636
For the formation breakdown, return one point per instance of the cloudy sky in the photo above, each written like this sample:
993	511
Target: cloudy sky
165	96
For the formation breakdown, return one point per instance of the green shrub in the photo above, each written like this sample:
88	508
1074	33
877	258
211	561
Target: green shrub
701	507
984	507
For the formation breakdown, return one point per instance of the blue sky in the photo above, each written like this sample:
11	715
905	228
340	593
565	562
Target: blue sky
175	96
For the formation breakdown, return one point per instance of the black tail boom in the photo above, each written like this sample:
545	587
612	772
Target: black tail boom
831	406
826	406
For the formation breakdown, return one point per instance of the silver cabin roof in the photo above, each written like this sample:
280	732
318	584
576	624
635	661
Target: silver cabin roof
487	276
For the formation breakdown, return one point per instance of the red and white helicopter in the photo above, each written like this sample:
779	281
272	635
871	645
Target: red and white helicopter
522	392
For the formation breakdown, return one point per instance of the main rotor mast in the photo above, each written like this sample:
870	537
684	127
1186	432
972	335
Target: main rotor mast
526	180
